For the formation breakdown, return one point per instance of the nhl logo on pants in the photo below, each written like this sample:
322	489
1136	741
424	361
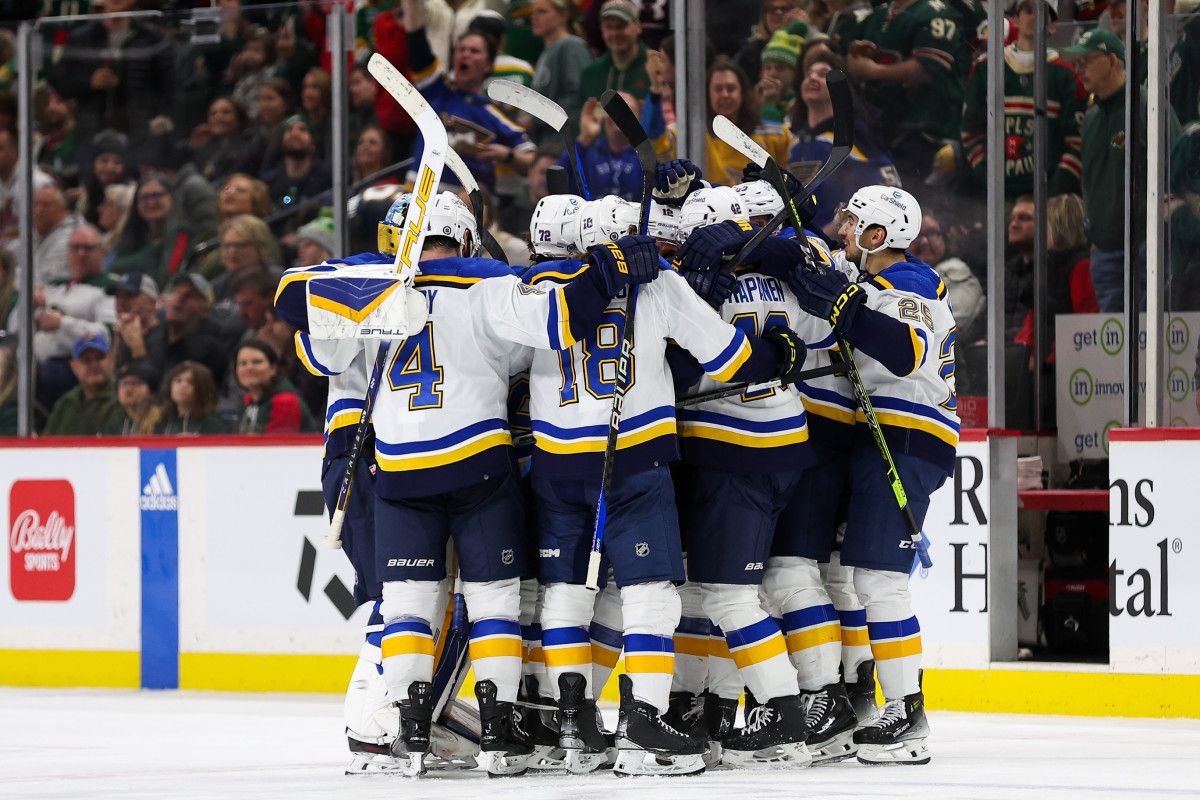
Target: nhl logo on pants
642	549
506	557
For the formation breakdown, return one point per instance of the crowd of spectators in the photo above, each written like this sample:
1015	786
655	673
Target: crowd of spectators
181	166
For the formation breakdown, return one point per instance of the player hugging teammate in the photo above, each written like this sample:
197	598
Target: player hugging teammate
718	577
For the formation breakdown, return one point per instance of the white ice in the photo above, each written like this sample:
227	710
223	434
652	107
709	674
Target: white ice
80	744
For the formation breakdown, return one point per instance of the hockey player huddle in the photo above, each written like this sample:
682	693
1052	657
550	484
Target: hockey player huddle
752	543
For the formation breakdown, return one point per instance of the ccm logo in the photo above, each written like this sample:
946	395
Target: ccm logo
547	552
410	562
41	540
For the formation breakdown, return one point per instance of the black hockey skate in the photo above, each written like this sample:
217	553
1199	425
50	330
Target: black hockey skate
862	693
369	758
503	740
580	734
685	712
898	735
774	735
720	715
830	722
647	745
542	724
416	717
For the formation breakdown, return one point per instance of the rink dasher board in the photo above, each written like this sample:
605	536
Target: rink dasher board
260	605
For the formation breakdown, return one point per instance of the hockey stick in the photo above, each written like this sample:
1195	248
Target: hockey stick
408	254
773	174
738	388
843	135
455	163
621	114
546	111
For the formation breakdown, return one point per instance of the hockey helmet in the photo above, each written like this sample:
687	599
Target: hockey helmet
554	226
447	216
708	207
606	219
760	198
893	209
664	222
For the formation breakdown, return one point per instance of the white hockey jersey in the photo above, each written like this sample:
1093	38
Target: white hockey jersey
347	390
571	391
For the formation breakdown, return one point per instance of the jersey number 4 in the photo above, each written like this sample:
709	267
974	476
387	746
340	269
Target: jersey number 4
415	366
601	351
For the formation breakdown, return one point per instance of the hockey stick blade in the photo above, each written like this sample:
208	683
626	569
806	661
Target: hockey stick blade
408	254
735	137
533	103
631	127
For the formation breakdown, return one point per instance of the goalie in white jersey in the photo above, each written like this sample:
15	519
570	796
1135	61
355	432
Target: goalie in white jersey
897	319
571	400
444	451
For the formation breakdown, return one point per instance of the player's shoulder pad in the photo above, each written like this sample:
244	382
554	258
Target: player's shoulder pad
460	271
913	277
362	258
559	271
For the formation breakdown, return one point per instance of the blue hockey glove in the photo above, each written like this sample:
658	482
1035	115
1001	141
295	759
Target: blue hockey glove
675	180
828	294
707	247
629	260
714	285
792	351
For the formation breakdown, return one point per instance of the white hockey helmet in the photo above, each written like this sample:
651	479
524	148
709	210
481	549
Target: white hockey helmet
894	210
664	222
708	207
447	216
554	226
606	219
760	198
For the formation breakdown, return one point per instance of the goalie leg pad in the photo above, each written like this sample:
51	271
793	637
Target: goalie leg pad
495	634
566	614
651	612
754	639
810	622
893	628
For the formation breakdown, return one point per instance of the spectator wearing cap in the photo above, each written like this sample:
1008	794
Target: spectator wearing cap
654	16
775	16
507	66
187	333
191	402
52	226
1099	58
150	243
67	309
136	412
83	410
120	71
315	242
10	192
270	403
777	75
300	173
486	139
193	199
110	153
135	300
562	62
1064	110
623	64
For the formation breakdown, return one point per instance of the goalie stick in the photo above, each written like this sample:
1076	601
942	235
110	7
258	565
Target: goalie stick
546	111
737	139
624	118
408	254
455	163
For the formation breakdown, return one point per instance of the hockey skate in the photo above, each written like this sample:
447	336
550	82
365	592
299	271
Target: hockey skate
774	736
862	693
416	717
720	714
580	735
368	758
830	722
898	735
504	743
647	745
685	712
547	754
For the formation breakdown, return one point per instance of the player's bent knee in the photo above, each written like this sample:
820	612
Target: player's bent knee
493	599
884	594
607	610
652	608
792	582
567	605
730	606
410	600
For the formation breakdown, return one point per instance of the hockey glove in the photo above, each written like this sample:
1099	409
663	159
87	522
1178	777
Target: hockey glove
806	205
707	247
714	285
792	351
828	294
629	260
675	180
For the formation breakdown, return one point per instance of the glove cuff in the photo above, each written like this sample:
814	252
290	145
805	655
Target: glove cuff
845	308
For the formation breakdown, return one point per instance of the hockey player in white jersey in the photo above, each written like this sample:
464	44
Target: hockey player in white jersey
445	461
900	325
571	400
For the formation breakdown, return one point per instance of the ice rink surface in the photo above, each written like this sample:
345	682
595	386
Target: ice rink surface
80	744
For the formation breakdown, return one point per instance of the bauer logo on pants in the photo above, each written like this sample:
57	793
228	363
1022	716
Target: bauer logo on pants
41	540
